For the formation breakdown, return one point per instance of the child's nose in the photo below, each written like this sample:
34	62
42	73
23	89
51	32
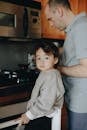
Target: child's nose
42	60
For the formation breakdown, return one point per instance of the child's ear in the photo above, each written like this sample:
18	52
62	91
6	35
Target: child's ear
56	60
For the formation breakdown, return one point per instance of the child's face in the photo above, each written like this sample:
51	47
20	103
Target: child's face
44	61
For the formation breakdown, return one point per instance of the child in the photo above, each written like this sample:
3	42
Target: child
47	94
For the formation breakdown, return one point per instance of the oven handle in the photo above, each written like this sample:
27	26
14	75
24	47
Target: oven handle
10	123
25	22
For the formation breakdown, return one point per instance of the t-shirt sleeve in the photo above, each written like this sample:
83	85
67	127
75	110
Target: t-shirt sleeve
81	41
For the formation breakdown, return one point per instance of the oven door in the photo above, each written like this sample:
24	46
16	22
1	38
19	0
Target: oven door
9	116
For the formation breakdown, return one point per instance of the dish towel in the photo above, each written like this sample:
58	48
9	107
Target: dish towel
56	120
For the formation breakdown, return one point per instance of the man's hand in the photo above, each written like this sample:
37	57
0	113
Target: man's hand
60	69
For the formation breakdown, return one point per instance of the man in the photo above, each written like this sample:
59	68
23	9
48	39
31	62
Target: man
74	59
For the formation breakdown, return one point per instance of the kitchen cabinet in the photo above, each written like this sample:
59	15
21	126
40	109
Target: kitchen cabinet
78	6
38	0
50	32
82	5
15	93
74	6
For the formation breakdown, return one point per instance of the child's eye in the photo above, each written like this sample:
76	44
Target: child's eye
46	58
38	58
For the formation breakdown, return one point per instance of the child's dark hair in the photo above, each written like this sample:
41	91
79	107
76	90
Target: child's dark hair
48	48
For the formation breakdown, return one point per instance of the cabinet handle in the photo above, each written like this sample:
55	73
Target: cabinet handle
25	22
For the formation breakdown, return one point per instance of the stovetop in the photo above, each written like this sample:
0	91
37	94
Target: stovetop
16	88
9	77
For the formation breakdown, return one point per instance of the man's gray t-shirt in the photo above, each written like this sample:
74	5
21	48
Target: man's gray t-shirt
75	48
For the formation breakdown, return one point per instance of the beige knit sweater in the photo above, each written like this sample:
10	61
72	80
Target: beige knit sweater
47	95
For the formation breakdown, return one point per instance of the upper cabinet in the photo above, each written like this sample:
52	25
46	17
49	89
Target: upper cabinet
38	0
82	5
79	6
50	32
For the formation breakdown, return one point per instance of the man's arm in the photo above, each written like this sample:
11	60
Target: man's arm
79	70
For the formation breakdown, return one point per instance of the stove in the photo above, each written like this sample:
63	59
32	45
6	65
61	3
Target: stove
17	88
15	91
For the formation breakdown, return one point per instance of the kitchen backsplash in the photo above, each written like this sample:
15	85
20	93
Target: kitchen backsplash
14	53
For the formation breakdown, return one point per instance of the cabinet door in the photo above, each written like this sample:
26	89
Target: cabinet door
47	30
38	0
82	5
74	5
78	6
